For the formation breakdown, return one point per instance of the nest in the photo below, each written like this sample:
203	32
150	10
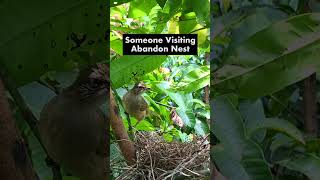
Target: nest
159	160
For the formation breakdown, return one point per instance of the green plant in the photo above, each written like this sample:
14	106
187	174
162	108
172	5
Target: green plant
263	50
178	83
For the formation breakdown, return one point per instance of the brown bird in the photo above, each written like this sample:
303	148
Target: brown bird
72	127
134	104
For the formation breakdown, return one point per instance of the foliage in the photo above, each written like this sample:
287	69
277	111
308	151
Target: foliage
176	99
42	45
50	36
262	49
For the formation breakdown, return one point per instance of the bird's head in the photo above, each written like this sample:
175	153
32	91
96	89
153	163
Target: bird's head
139	88
93	84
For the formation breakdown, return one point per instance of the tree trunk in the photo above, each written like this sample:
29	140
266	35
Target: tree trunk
15	163
310	105
125	144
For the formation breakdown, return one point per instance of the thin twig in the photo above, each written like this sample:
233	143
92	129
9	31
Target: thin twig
198	30
168	106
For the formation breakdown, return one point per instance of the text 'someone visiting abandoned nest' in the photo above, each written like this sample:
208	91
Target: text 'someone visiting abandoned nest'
160	160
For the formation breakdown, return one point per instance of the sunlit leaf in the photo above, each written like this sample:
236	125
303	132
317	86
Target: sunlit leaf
131	68
195	80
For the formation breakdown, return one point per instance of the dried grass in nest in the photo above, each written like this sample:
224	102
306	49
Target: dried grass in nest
159	160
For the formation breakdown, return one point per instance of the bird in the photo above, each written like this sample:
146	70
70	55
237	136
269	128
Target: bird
73	128
134	103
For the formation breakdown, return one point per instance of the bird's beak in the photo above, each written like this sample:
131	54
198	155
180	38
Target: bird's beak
147	89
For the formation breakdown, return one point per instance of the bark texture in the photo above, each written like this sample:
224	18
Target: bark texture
15	163
126	145
310	105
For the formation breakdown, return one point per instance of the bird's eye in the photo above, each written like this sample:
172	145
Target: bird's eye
95	83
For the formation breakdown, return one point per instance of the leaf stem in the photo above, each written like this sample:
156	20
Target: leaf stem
168	106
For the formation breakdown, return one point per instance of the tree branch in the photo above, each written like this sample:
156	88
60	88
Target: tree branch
14	160
126	145
310	105
28	116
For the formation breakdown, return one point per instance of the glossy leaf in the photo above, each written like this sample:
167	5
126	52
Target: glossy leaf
280	125
306	164
253	114
36	103
238	157
140	8
172	7
187	116
201	128
195	80
201	8
256	20
188	23
255	69
184	103
131	68
116	45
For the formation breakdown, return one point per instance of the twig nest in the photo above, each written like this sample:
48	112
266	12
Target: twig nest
159	160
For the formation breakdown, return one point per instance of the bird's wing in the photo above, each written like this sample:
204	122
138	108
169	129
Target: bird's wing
143	105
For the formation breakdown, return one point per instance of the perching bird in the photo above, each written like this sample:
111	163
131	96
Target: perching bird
134	104
73	129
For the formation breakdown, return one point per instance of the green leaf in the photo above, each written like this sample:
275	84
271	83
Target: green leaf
227	21
140	8
201	128
279	141
198	101
255	69
116	45
184	102
41	37
145	126
168	137
280	125
307	164
114	3
253	114
228	165
187	116
36	103
256	20
172	7
226	5
161	3
280	100
228	125
201	8
194	80
158	20
238	157
131	68
188	23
